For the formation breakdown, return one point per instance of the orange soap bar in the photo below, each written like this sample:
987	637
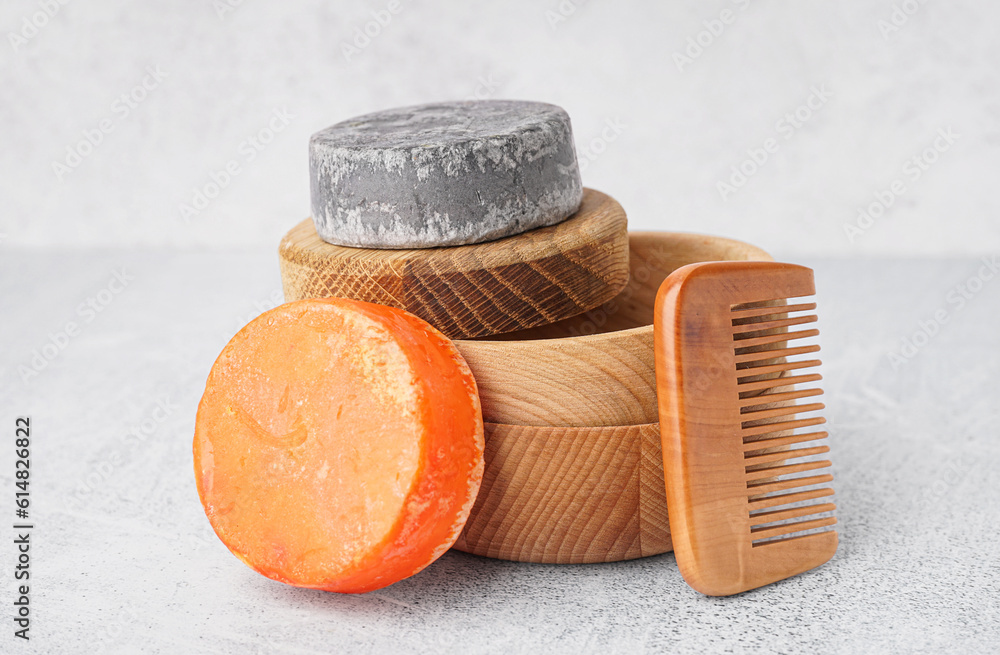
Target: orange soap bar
339	444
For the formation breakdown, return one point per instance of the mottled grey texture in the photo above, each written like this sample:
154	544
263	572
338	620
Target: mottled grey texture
443	174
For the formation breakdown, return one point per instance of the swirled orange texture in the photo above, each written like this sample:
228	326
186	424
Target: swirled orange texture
339	444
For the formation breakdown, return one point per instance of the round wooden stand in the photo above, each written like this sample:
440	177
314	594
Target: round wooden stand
535	278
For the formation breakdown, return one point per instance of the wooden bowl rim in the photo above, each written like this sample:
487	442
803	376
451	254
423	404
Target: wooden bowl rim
614	335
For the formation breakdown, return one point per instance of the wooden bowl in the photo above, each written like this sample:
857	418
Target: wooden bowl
535	278
574	463
570	495
594	369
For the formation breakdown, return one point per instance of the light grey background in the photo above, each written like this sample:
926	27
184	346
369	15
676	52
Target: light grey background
679	131
124	560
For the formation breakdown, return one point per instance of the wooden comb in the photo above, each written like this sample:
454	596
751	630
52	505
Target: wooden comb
744	509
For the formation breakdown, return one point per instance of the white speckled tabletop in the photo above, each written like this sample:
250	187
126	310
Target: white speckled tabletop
125	561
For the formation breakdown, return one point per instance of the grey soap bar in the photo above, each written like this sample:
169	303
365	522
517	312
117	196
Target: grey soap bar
443	174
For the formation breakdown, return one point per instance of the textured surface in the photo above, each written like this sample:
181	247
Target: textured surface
280	472
127	563
444	174
526	280
570	495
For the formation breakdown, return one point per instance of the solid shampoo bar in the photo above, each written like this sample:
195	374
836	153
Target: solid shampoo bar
443	174
339	444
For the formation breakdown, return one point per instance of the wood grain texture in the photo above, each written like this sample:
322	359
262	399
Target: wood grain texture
535	278
738	465
569	495
596	368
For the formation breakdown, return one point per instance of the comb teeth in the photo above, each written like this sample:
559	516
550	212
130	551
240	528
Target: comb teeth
745	465
772	451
